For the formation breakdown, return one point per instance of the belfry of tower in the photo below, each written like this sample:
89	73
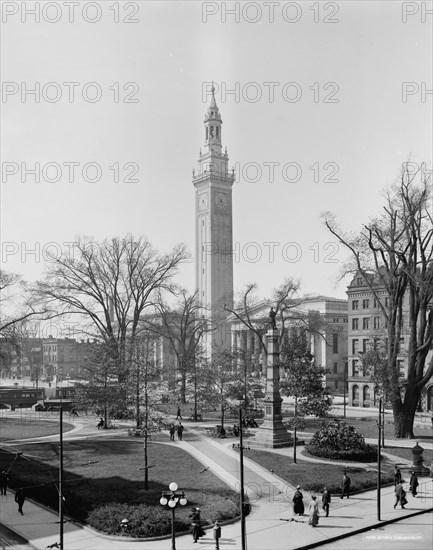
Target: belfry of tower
214	230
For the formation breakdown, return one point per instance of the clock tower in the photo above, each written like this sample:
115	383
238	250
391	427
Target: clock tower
214	229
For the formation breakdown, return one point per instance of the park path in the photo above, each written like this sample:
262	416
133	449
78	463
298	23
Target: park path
270	526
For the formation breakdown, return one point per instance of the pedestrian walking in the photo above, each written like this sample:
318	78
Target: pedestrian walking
172	432
180	429
196	527
3	482
216	531
19	499
397	475
298	506
326	500
345	486
400	496
314	512
178	415
413	483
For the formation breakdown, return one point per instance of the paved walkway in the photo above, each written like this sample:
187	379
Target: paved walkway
270	526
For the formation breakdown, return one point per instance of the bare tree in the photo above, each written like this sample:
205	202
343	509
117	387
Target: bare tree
112	284
16	304
184	326
288	307
394	252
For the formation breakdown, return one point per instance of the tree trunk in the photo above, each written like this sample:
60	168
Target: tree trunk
403	426
183	388
404	413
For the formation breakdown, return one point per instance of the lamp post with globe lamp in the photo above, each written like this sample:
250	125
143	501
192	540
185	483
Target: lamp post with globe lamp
172	499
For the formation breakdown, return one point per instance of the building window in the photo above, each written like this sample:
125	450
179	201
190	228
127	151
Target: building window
365	345
355	324
355	343
335	368
335	343
386	301
401	369
355	367
355	304
359	281
376	322
365	304
376	303
365	323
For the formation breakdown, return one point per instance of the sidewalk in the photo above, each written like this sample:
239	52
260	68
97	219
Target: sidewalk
268	525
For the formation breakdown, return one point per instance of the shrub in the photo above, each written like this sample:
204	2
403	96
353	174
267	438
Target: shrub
144	520
339	441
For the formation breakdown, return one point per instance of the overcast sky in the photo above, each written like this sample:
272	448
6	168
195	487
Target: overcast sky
321	104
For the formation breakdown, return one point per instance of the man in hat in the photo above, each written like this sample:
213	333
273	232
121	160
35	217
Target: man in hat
413	483
326	499
397	475
196	528
345	486
217	534
3	482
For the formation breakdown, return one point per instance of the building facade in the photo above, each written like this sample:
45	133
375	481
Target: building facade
367	327
66	358
328	345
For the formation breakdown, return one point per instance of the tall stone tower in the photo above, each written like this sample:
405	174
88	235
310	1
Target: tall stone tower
214	230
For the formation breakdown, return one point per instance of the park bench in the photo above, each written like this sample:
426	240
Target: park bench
198	419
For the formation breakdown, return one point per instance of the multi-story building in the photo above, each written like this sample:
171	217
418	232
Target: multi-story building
65	358
367	328
21	358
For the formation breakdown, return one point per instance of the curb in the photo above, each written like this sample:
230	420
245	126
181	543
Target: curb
362	530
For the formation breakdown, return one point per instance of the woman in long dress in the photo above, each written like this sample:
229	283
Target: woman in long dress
314	512
298	503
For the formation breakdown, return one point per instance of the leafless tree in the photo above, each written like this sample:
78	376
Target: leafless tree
184	326
394	252
112	284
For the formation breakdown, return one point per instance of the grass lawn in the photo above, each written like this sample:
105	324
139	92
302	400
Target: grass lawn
14	428
407	453
313	477
366	426
100	473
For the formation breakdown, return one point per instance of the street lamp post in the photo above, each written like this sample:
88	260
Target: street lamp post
172	499
379	441
344	390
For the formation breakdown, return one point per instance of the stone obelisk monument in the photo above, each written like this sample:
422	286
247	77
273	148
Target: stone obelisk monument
272	432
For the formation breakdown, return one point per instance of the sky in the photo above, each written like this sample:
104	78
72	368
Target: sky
321	103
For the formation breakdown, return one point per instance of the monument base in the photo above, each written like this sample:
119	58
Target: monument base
272	436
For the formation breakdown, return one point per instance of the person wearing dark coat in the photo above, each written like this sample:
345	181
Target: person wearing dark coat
3	482
196	528
172	432
413	483
400	495
180	429
326	499
345	486
397	475
19	499
298	503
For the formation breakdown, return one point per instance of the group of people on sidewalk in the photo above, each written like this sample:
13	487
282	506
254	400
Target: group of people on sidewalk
176	429
400	494
313	509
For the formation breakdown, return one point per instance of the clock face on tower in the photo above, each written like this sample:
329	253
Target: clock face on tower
221	200
202	202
